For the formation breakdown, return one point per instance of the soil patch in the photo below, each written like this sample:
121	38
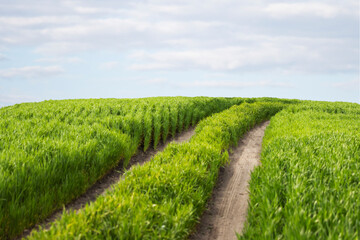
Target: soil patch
227	209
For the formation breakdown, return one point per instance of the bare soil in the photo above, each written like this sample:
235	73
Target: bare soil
227	209
105	183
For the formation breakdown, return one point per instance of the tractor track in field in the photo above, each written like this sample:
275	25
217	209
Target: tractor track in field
227	208
106	182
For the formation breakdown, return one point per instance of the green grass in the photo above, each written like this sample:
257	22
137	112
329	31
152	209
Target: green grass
164	198
51	152
308	185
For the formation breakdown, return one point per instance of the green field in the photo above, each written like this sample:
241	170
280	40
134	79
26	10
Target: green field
52	152
308	186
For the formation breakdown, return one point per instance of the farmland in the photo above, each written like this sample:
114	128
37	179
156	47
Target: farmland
308	186
51	152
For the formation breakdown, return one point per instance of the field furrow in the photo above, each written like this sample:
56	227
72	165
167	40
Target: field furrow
227	208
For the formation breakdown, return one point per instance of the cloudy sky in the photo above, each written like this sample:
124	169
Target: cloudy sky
121	49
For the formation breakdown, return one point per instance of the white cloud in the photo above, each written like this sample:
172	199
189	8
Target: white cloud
31	72
92	10
109	65
347	85
235	38
234	84
156	81
152	66
37	21
103	33
109	30
61	48
220	35
282	10
256	53
60	60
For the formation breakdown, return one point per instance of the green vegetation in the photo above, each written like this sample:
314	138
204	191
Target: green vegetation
51	152
163	198
308	186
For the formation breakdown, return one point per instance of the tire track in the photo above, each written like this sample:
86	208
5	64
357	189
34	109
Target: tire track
227	208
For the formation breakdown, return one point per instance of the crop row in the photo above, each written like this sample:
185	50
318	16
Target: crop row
51	152
163	198
308	185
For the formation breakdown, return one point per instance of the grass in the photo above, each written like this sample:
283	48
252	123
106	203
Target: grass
308	185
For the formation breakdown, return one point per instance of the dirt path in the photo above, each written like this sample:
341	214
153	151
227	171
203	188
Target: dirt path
227	208
109	179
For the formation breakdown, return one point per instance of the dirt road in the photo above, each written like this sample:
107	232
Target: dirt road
227	208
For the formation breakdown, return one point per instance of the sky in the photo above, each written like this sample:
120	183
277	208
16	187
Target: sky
131	49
